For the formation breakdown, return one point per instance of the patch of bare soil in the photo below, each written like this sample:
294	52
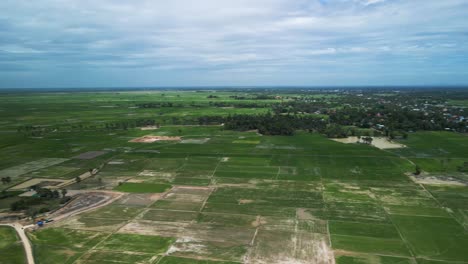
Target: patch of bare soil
434	180
302	214
378	142
139	199
284	247
157	174
151	139
245	201
259	221
198	232
136	181
149	128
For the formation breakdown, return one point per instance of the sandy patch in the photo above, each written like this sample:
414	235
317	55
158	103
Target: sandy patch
116	162
244	201
149	128
150	173
283	247
225	159
378	142
139	199
151	139
302	214
434	180
259	221
136	181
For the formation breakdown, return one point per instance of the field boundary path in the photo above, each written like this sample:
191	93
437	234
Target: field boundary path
24	239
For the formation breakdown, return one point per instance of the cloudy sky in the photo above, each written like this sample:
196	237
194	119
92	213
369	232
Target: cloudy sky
122	43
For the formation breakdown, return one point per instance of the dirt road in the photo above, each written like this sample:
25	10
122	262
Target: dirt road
26	244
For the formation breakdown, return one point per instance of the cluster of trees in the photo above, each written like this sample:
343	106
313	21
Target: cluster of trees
155	105
36	131
238	105
6	180
464	167
124	125
273	124
393	118
255	97
410	110
4	194
42	196
295	107
267	124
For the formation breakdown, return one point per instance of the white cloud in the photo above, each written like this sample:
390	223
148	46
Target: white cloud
240	35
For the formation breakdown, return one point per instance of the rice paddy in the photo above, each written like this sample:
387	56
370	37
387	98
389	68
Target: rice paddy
222	197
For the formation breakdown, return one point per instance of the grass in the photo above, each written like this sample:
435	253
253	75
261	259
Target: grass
57	245
142	187
434	238
291	188
363	244
137	243
177	260
363	229
111	257
372	259
11	249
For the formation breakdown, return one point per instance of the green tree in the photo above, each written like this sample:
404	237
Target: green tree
64	192
417	170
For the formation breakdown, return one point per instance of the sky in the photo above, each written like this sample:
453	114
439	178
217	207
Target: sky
158	43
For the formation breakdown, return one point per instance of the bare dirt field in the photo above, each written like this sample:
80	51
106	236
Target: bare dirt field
378	142
151	139
434	180
141	199
149	128
284	247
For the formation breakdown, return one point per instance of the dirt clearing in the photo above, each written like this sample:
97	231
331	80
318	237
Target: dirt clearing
151	139
283	247
149	128
378	142
434	180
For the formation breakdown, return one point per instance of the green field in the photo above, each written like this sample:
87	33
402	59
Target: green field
11	249
142	187
225	196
